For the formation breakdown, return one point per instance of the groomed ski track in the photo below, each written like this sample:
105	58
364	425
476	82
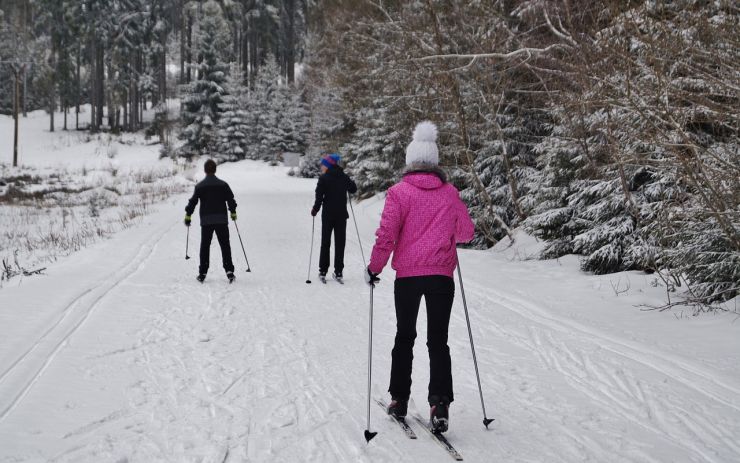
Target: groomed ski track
120	355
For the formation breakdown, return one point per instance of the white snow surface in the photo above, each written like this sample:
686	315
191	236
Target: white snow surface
117	354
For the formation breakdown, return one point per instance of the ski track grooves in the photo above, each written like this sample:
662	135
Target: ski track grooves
674	368
607	383
59	333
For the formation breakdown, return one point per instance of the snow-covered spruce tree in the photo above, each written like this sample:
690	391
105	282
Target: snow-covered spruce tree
233	125
293	120
263	136
202	98
638	171
327	123
278	119
590	203
375	152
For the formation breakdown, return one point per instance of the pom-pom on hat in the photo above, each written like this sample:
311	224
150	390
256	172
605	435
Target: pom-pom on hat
423	147
330	160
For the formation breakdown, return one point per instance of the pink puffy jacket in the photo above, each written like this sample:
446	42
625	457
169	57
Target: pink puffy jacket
422	222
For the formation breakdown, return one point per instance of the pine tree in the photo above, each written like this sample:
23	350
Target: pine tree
203	97
375	152
264	135
233	128
293	120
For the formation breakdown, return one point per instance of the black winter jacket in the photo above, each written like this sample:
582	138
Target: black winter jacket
331	192
214	194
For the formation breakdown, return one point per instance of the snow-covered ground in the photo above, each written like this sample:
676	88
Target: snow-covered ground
118	355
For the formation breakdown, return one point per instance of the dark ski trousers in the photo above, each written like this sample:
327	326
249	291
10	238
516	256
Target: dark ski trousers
222	234
438	292
339	228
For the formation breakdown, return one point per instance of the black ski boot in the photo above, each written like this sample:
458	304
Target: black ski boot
201	277
230	276
322	277
439	417
338	276
398	408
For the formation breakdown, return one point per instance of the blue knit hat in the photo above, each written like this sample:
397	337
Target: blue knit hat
330	160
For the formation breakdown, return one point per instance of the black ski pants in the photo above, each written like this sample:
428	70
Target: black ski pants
222	234
339	228
438	292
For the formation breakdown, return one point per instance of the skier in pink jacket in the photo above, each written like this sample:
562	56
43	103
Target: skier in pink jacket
422	222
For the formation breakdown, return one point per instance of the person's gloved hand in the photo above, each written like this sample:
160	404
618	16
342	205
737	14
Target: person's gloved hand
370	277
187	220
233	216
314	212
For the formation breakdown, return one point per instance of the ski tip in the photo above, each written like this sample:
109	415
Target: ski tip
487	421
369	435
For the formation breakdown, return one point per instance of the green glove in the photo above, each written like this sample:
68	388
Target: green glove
187	220
233	216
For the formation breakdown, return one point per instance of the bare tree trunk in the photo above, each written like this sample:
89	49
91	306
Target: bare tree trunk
290	40
126	103
25	79
93	84
253	58
100	99
51	110
112	107
16	108
53	86
245	47
78	91
163	68
181	77
190	48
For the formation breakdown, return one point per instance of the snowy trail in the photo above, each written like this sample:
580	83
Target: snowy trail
675	401
20	376
137	362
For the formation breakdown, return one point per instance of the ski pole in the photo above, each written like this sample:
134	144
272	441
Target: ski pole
242	243
310	256
187	244
359	240
368	434
486	420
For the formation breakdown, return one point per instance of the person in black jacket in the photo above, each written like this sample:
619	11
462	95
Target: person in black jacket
331	192
214	195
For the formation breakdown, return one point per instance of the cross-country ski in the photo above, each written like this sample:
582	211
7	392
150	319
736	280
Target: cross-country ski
439	438
401	421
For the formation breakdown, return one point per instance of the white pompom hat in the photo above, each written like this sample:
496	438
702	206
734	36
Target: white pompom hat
423	148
